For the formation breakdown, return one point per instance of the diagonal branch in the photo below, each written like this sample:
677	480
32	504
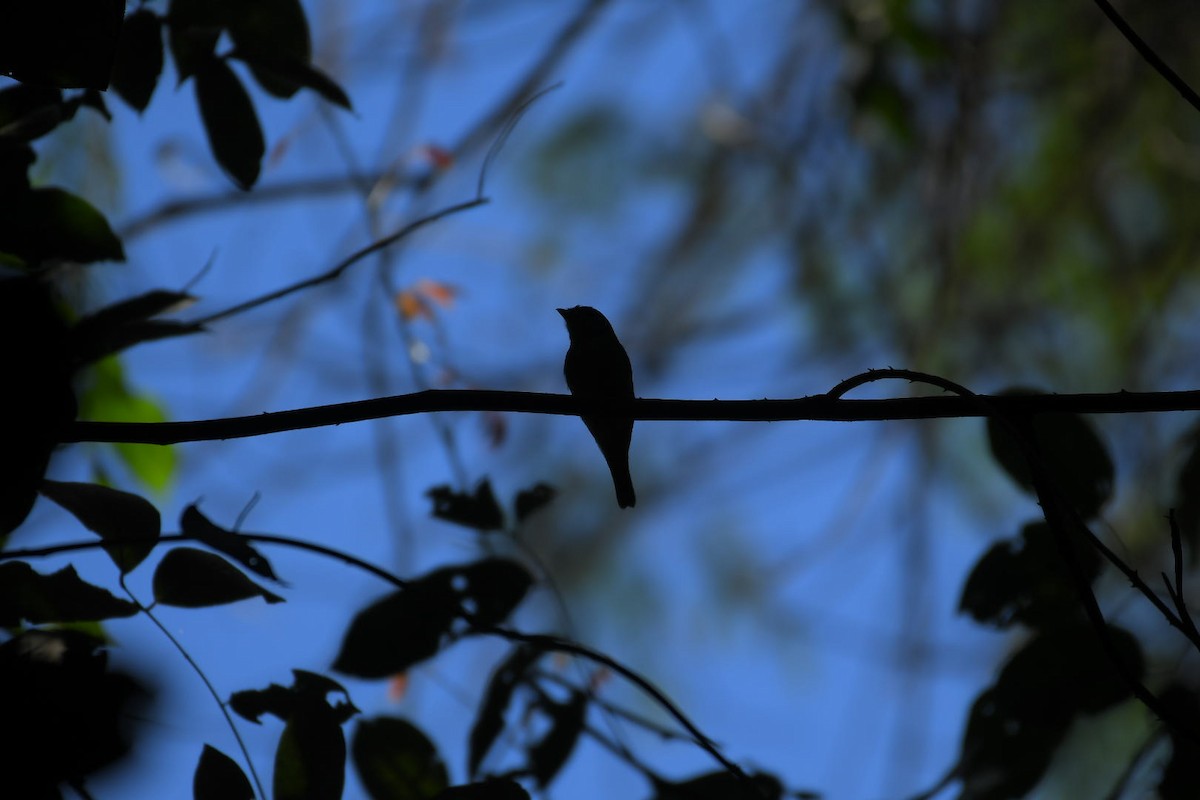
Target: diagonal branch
1147	52
343	265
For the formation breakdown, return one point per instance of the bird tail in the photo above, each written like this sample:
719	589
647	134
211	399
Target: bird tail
623	483
618	465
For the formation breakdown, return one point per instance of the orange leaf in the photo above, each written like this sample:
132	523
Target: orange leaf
398	687
441	293
441	158
411	305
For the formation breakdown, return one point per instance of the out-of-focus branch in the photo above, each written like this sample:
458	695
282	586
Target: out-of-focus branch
234	198
535	76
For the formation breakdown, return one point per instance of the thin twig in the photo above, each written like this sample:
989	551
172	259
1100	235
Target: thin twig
344	264
534	76
212	690
560	645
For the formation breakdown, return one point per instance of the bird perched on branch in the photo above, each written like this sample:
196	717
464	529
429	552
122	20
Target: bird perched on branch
597	369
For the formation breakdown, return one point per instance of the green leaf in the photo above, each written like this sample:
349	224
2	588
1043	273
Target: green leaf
62	596
399	630
310	762
234	545
1073	454
489	722
110	399
494	789
128	524
192	578
396	761
230	122
218	777
479	510
139	59
533	499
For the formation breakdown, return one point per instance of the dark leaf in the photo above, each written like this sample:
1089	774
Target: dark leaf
66	714
251	704
128	524
547	756
125	323
396	761
63	43
33	357
310	762
193	28
218	777
234	545
44	224
494	587
479	510
402	629
509	674
1017	724
283	77
1076	460
88	351
494	789
62	596
272	32
193	579
722	785
29	111
1027	581
1187	494
1182	774
307	688
230	121
533	499
139	58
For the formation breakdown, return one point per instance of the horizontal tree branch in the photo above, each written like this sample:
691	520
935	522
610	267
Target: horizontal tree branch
821	407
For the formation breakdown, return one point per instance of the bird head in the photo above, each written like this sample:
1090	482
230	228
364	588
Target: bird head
585	322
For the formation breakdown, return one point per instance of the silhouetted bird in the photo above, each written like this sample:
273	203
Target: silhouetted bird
597	368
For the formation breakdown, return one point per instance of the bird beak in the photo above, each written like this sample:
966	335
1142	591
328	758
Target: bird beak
562	311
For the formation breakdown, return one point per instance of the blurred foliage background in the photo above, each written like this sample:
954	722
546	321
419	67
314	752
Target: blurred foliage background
764	197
